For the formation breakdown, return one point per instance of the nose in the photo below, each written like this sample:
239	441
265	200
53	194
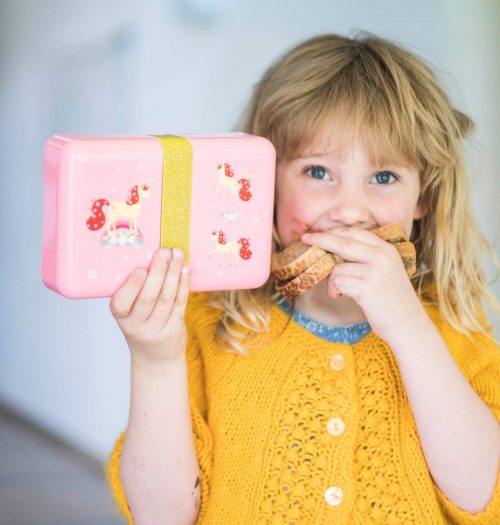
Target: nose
350	209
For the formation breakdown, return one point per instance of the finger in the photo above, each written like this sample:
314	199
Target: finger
180	303
350	269
350	286
365	236
168	291
123	300
346	269
333	291
348	248
149	293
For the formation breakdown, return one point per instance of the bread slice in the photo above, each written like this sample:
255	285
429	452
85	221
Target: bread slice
408	255
309	278
392	233
395	234
296	258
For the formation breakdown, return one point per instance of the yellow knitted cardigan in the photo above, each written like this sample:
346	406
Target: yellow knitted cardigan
310	432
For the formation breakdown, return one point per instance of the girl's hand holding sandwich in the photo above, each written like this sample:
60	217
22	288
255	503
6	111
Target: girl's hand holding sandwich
373	275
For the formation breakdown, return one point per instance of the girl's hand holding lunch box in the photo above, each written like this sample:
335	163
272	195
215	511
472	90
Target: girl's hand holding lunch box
150	307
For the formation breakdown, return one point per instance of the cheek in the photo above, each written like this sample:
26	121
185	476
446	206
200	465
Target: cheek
400	211
292	219
294	211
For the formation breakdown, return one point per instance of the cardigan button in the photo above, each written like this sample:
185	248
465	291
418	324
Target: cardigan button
334	496
335	426
336	362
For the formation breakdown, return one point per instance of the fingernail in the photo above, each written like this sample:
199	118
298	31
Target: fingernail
164	253
177	253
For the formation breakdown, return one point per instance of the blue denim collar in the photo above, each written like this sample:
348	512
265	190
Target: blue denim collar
347	334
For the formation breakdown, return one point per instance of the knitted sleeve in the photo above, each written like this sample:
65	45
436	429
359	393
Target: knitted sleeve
479	361
201	433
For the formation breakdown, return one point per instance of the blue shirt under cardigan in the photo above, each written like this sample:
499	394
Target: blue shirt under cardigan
348	334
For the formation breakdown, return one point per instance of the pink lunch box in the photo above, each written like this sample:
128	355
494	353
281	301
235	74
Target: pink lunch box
111	202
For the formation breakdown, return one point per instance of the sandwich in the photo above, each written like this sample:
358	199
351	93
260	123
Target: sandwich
299	267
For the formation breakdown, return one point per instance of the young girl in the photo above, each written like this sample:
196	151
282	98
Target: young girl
369	399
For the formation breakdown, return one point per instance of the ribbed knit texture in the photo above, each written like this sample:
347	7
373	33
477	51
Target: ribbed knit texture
263	429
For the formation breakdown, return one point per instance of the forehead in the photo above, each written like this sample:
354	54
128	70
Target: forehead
333	142
348	141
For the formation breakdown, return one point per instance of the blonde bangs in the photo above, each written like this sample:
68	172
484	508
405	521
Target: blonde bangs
347	104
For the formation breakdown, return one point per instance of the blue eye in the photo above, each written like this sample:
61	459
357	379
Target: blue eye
317	172
384	177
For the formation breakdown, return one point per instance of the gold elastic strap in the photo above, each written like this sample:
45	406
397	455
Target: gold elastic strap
176	192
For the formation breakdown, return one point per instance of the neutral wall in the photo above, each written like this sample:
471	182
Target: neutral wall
150	67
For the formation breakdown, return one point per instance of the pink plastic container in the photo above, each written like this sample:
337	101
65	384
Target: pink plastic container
103	211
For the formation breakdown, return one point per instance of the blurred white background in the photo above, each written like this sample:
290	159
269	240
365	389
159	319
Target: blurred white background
173	66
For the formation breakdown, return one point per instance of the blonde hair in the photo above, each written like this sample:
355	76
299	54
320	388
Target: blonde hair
393	102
